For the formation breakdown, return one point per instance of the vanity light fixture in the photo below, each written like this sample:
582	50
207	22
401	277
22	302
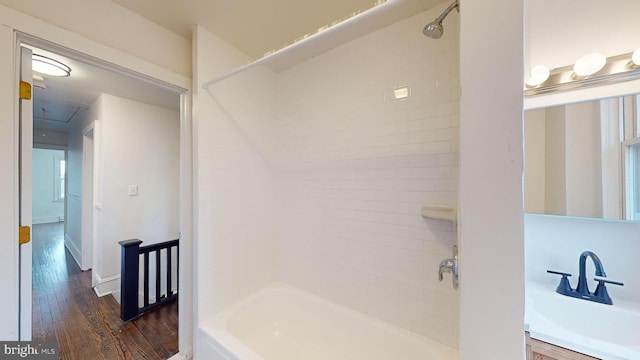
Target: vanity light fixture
48	66
590	70
401	93
539	74
589	64
635	58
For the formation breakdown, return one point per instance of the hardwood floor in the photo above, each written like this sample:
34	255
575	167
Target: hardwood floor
67	310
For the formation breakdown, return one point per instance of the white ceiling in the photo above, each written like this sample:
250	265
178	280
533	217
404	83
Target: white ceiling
66	99
258	26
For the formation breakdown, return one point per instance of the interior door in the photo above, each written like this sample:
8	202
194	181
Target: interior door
25	205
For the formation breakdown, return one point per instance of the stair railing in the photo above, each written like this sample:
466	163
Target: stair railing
130	286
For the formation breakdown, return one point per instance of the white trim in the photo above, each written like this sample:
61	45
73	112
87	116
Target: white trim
25	173
89	188
579	95
106	286
179	356
186	316
73	249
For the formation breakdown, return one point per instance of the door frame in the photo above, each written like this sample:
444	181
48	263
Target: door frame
24	124
89	161
91	52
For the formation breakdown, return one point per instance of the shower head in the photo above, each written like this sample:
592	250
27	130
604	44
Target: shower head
434	29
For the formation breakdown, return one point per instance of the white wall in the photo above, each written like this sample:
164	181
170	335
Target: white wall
563	174
491	209
534	164
560	32
583	160
46	209
47	139
555	161
235	189
8	188
139	146
73	219
359	165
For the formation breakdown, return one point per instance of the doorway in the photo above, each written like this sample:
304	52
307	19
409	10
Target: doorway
81	236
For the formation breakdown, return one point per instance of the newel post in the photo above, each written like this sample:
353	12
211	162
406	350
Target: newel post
129	271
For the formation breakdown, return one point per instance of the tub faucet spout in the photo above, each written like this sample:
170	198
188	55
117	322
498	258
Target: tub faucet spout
582	278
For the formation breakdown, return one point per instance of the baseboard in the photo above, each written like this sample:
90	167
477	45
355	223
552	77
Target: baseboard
47	220
116	295
179	356
107	285
73	249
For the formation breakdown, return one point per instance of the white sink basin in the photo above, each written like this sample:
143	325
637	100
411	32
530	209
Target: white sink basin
610	332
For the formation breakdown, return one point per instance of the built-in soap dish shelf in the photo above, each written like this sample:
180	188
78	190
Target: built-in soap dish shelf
440	212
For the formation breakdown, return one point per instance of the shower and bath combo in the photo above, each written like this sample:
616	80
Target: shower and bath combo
434	29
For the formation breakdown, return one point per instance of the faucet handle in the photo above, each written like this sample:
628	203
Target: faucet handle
558	273
564	287
601	281
601	291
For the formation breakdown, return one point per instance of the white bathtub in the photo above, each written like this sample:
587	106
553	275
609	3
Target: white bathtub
281	322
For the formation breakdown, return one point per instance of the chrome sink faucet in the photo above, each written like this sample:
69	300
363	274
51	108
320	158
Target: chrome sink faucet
582	290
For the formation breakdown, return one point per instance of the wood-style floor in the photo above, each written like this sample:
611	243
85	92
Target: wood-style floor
67	310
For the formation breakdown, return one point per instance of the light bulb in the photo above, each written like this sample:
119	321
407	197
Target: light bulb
539	74
589	64
636	57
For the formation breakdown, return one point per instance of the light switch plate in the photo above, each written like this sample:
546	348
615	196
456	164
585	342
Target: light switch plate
133	190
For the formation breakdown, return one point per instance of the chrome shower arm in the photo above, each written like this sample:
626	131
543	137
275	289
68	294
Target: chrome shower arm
456	4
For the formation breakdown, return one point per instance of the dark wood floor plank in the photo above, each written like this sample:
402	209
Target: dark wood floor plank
67	310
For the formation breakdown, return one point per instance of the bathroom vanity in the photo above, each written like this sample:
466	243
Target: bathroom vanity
540	350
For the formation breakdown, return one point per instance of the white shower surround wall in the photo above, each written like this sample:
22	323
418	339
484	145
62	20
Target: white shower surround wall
361	165
351	167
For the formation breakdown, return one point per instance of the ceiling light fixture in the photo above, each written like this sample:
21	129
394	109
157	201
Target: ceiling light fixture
589	64
539	74
48	66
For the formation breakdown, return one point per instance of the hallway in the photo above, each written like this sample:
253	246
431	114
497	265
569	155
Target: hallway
66	310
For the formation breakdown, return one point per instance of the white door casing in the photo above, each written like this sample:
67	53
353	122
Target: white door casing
25	169
87	197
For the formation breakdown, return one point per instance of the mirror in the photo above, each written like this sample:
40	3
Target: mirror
583	159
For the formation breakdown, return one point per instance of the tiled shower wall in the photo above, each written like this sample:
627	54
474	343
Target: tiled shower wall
316	176
235	193
358	167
